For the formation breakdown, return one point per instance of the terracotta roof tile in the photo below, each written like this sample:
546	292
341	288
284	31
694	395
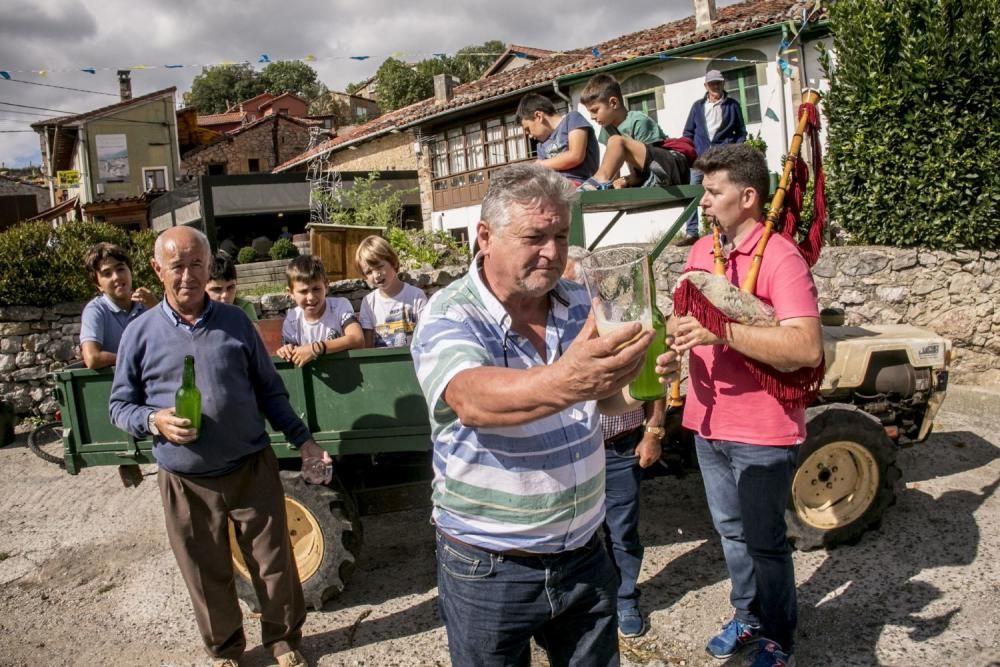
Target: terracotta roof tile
729	21
220	118
79	118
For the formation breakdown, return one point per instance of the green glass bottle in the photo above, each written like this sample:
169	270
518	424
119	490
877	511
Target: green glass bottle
187	400
646	386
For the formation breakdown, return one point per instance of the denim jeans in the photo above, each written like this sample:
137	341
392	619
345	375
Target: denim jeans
747	488
693	224
621	520
493	604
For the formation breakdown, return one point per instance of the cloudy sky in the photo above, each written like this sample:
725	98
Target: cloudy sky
63	36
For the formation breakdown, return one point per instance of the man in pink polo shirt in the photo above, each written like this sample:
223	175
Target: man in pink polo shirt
746	440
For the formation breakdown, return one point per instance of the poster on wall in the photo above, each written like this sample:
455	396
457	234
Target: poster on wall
112	158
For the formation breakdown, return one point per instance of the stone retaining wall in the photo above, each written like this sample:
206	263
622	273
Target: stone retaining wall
955	294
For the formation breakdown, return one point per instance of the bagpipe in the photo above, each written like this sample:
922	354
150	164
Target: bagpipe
715	302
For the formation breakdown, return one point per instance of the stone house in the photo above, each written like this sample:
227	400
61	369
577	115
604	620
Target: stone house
254	148
764	48
20	200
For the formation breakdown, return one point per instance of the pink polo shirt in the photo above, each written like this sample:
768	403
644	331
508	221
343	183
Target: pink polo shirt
724	402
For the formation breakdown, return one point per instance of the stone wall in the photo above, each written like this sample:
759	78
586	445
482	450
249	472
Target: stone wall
955	294
392	152
37	341
263	142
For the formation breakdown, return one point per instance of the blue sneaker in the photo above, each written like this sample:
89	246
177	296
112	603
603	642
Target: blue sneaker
769	654
734	636
631	622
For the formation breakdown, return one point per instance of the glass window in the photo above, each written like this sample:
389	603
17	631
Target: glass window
439	156
474	143
741	85
495	153
456	150
155	178
517	141
644	102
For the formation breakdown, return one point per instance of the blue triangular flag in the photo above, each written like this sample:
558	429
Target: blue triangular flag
518	54
594	52
173	66
264	58
359	57
89	70
5	74
771	114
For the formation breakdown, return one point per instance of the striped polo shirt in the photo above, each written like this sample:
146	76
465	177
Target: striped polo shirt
535	487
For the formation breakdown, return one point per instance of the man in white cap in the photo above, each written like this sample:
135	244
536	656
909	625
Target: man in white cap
714	119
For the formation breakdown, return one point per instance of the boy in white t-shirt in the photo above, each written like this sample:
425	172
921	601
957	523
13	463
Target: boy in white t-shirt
318	324
389	313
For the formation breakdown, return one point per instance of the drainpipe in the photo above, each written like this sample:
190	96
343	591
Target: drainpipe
557	91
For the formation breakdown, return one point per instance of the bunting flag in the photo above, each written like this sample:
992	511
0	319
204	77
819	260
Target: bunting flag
89	70
595	52
360	57
264	58
770	113
5	74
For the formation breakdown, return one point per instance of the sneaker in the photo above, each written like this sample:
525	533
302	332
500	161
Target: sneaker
631	622
734	636
292	659
769	654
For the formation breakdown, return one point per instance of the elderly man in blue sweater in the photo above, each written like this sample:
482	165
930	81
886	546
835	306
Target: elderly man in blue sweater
226	470
715	119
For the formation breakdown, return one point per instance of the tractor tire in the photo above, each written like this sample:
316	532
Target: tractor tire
845	480
326	537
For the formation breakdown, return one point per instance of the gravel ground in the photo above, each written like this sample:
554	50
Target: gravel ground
87	578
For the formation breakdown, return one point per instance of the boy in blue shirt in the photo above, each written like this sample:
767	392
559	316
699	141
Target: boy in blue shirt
566	143
632	138
105	317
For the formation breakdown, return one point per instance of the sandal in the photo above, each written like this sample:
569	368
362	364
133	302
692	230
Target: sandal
591	185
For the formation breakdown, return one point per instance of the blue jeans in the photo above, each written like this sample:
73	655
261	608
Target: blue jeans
747	488
693	224
621	520
493	604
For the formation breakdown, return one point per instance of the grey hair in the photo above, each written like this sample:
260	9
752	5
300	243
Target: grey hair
159	247
528	184
574	256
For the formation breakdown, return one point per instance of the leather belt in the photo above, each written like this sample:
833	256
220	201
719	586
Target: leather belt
616	439
509	553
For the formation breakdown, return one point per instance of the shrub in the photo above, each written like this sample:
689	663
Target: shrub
416	248
41	266
284	249
246	255
913	143
366	203
140	251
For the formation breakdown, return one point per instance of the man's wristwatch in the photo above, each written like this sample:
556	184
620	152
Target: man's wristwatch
658	431
151	424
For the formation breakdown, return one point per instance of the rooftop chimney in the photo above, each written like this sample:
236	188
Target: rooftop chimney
125	84
444	85
704	15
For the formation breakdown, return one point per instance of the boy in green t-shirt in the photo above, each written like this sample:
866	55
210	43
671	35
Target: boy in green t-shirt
632	138
221	285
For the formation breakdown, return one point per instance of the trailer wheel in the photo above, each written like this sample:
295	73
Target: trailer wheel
326	537
46	439
845	480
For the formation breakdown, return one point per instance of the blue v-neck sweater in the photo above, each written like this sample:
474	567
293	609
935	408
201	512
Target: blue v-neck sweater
236	377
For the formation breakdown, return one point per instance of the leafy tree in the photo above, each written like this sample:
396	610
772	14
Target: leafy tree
369	203
219	87
354	87
400	85
291	76
913	141
469	67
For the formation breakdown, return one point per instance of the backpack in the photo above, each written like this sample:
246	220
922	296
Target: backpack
684	146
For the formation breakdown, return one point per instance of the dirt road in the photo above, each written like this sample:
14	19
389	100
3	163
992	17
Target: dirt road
87	578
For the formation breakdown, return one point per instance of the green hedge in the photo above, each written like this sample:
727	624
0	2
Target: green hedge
283	249
42	266
914	137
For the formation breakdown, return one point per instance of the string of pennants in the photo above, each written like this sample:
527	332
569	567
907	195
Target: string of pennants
265	59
